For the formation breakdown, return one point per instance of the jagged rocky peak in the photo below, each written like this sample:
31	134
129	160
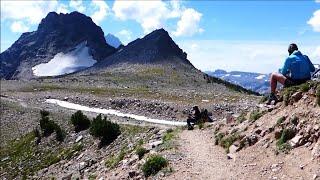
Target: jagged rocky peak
161	40
113	40
57	34
156	47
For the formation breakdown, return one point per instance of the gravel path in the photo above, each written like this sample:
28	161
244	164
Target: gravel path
203	159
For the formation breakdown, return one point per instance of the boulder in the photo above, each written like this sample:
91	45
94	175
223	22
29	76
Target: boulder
297	96
233	148
296	141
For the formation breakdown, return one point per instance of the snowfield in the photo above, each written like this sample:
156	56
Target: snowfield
112	112
67	63
261	76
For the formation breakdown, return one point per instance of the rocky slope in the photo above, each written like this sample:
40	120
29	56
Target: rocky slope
57	33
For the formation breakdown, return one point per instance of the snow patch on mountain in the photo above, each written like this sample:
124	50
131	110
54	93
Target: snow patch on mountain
262	76
236	75
62	63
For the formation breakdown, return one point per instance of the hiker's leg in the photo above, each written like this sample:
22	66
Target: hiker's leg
189	120
276	77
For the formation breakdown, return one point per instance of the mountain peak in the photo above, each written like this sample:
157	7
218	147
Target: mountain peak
112	40
57	33
156	47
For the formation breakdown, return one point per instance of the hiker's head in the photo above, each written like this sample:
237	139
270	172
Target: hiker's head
292	47
195	108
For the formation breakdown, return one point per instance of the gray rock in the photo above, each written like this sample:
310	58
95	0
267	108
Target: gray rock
296	141
233	148
79	138
297	96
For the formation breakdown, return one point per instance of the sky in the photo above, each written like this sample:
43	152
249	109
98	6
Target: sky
248	36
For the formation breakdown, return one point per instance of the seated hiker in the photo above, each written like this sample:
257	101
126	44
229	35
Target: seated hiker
194	118
197	117
296	70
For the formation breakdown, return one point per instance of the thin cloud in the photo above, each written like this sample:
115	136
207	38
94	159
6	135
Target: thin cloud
153	15
314	21
102	11
77	4
19	27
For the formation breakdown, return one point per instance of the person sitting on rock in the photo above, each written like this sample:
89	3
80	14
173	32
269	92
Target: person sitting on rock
197	117
296	70
194	118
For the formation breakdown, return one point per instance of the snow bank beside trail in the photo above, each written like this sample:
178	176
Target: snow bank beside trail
67	63
112	112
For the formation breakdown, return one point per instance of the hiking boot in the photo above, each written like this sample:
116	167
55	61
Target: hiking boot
272	98
190	127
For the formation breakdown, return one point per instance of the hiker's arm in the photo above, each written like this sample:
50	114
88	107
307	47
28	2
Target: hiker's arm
311	66
285	68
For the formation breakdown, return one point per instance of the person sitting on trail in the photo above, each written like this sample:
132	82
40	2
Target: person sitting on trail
194	118
197	117
296	70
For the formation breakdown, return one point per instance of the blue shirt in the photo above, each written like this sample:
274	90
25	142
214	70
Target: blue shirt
297	66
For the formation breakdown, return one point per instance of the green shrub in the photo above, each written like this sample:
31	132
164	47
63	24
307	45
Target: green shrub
106	130
304	87
140	151
294	120
47	126
60	134
242	117
285	147
153	165
37	135
255	115
281	120
80	121
227	141
44	113
218	137
286	135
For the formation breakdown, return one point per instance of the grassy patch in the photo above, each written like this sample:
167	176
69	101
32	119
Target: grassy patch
169	140
25	157
241	118
255	115
140	151
294	120
286	135
281	120
113	161
218	137
227	141
304	87
156	71
153	165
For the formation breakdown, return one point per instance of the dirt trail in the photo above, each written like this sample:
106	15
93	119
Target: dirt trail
203	159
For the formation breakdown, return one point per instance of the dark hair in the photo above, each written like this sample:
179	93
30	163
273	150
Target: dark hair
292	47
